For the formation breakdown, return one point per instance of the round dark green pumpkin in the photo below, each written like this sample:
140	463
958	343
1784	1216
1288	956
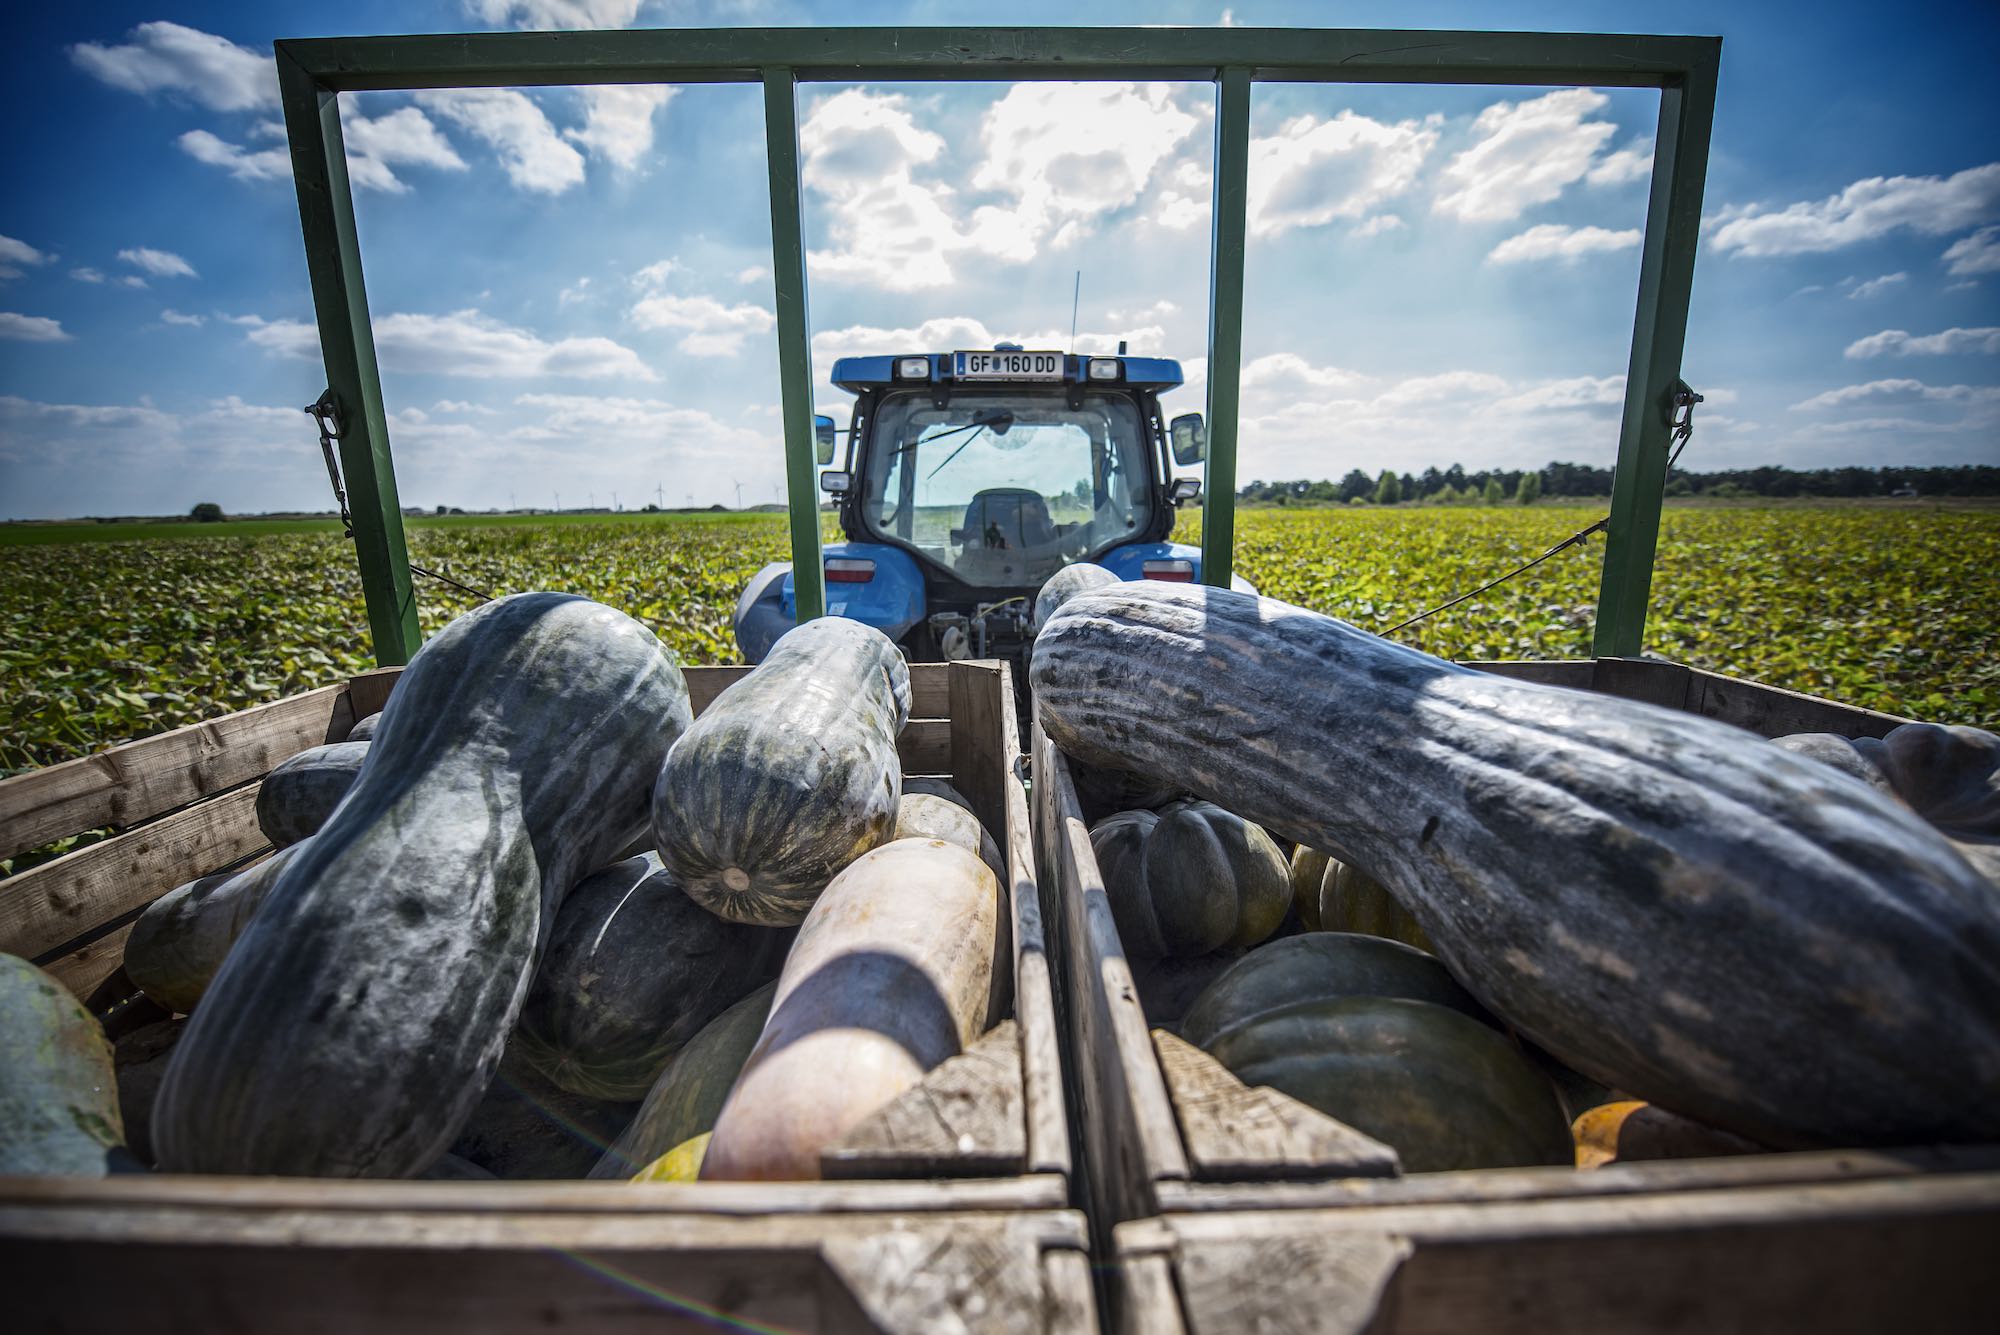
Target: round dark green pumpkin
1190	880
1321	966
58	1097
1444	1090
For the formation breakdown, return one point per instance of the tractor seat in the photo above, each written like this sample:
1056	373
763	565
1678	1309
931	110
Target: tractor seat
1007	519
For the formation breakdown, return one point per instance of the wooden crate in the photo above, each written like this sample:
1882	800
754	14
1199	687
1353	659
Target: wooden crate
987	1132
1169	1134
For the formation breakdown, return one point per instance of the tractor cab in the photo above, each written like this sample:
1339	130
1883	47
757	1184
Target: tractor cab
971	477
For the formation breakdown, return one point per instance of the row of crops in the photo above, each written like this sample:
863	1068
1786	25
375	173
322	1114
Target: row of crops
1892	609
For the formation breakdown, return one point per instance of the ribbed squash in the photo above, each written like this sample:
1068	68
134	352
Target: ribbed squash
1307	873
1102	793
1065	584
178	944
633	970
1632	1132
362	1013
893	973
296	798
685	1100
364	729
788	775
1445	1090
1353	901
1948	775
1190	880
1320	966
1668	904
1168	986
58	1097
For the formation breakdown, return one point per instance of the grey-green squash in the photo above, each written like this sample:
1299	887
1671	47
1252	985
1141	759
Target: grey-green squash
633	970
1669	905
686	1099
1190	880
58	1096
296	798
141	1060
364	729
1446	1091
361	1015
1059	588
179	943
926	816
788	775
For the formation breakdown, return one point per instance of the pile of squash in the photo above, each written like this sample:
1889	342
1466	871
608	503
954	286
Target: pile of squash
535	909
1508	900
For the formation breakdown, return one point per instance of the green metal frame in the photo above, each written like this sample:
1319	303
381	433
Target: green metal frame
313	72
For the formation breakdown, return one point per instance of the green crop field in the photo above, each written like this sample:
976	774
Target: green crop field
107	640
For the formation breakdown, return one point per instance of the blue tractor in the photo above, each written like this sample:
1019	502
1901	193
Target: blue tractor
971	477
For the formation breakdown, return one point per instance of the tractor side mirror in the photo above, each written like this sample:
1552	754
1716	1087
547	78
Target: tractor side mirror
1190	439
835	483
823	434
1185	489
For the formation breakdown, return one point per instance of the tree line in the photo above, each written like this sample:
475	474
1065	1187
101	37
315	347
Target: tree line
1455	486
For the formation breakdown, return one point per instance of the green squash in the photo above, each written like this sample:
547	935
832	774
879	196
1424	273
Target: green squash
361	1015
526	1129
296	798
58	1096
178	944
685	1101
1190	880
635	969
1446	1091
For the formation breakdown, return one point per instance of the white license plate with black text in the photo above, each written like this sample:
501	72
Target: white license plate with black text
1007	365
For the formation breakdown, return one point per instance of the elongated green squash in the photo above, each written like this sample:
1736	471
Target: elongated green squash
178	944
1065	584
58	1098
1445	1090
1190	879
364	729
361	1014
634	969
1669	905
685	1101
893	973
788	775
296	798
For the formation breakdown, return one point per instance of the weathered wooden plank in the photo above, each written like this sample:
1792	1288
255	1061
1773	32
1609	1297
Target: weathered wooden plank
930	690
1508	1185
46	907
369	692
1144	1300
1131	1142
924	746
230	1266
1647	680
975	707
964	1119
82	969
132	783
1773	712
1572	672
1069	1305
1330	1284
1235	1132
1853	1256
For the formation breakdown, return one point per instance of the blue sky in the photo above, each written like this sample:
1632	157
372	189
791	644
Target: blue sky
571	291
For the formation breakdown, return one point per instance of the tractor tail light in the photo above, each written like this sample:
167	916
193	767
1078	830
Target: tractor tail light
841	571
1177	572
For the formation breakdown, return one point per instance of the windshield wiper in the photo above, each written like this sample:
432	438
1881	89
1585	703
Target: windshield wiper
999	420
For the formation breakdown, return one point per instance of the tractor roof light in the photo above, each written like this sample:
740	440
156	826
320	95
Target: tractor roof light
1106	368
913	368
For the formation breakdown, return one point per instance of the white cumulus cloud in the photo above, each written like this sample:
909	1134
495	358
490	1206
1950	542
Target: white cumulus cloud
31	328
158	263
1556	241
463	343
618	121
1876	286
167	57
1900	389
533	154
1865	210
1978	253
713	329
1526	154
404	137
1314	171
1634	162
15	253
171	316
546	15
245	164
86	274
1901	343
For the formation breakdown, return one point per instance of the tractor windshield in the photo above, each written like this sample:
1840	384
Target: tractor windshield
1004	487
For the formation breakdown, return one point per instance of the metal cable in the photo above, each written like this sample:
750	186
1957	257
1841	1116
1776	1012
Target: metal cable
1570	541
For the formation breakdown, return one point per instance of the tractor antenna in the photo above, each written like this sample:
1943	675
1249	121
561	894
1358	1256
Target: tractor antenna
1075	298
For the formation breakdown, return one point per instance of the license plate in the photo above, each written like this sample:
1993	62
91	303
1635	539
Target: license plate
1007	365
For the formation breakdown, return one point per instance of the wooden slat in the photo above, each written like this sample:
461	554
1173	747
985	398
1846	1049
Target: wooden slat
1235	1132
47	907
925	746
82	969
1646	680
1573	672
369	692
973	704
966	1118
1772	712
929	687
131	783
